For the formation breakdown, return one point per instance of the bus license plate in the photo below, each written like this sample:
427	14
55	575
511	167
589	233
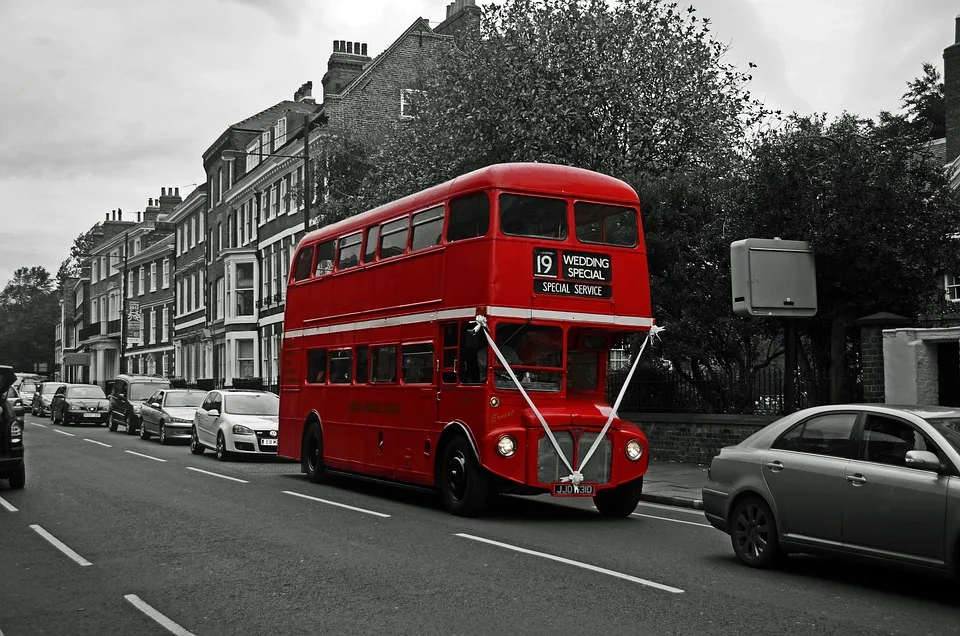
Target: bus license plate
567	489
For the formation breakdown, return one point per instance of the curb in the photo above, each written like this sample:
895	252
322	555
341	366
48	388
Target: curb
680	502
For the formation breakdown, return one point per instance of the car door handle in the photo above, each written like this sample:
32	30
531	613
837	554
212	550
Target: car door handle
775	466
857	479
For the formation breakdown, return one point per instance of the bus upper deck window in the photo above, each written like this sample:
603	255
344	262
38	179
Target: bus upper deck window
537	217
605	224
427	228
370	250
393	238
304	263
469	216
326	252
349	255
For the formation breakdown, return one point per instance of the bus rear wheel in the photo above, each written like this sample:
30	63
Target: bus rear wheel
620	501
463	484
311	457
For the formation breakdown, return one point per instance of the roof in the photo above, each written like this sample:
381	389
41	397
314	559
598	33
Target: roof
263	120
530	177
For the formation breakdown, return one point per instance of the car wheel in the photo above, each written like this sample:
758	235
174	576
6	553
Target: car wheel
18	479
311	459
195	446
222	453
463	484
143	432
113	424
753	533
163	435
620	501
132	425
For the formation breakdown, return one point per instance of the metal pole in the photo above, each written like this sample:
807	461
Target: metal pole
790	366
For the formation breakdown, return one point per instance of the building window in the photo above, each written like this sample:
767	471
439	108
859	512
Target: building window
153	326
219	185
180	240
166	365
281	133
130	284
409	101
244	289
136	247
165	329
140	286
221	297
143	327
153	276
952	287
166	273
284	207
198	234
245	358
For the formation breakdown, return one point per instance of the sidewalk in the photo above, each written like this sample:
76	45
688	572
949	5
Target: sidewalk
674	484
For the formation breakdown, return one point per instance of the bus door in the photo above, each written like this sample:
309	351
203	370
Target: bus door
462	391
291	420
417	397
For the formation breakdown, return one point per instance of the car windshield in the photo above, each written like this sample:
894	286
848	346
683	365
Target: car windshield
260	404
143	390
184	399
29	387
85	392
949	427
50	389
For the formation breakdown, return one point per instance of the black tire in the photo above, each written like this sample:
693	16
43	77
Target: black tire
163	435
464	485
621	501
311	454
753	533
223	454
113	423
132	427
195	446
18	479
144	435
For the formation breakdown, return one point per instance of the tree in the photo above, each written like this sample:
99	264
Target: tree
28	318
876	207
82	244
925	105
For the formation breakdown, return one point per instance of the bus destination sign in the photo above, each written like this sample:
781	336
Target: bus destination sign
572	273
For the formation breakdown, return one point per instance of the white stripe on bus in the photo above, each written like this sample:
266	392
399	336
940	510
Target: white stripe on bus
450	314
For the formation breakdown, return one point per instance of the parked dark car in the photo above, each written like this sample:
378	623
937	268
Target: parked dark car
43	398
16	400
169	413
75	403
12	466
127	398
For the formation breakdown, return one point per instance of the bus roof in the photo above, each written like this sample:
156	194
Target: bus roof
545	177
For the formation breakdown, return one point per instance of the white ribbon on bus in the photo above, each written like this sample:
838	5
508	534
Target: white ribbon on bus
575	476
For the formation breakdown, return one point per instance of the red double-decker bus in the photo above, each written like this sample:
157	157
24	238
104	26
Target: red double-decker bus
458	338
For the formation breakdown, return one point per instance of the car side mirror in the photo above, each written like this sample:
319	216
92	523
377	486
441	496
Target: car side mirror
924	460
213	413
155	405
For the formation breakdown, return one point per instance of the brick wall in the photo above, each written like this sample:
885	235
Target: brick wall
694	438
871	351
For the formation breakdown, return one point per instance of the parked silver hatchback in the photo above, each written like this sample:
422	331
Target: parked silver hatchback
876	481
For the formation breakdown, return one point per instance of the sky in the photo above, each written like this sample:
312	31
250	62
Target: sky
103	102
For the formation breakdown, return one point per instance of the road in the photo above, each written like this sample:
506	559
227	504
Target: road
115	535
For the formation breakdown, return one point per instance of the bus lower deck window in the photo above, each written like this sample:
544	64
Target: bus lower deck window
417	363
384	364
341	366
317	366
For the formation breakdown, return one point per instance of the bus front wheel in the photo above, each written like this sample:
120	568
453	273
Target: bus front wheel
311	454
463	484
620	501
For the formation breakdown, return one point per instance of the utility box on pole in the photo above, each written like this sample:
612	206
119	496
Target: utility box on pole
773	278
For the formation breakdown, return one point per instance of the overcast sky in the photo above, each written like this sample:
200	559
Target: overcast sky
103	102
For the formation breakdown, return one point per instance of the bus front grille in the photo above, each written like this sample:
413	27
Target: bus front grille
598	468
550	467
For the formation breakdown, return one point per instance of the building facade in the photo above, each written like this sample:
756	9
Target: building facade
193	360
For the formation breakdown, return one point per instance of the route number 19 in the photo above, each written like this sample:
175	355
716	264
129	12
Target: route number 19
544	263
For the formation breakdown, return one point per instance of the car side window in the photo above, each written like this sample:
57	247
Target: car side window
820	435
218	404
886	440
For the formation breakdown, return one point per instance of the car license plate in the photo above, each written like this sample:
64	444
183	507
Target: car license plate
91	415
268	442
568	489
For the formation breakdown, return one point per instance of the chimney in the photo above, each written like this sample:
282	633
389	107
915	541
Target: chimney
463	17
345	64
107	216
304	93
350	48
138	217
119	214
951	93
169	199
363	47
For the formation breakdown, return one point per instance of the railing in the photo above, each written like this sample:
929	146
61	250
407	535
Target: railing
89	331
113	327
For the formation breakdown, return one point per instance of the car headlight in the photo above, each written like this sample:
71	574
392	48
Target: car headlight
634	450
506	446
239	429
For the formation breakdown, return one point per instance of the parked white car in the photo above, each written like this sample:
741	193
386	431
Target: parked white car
235	421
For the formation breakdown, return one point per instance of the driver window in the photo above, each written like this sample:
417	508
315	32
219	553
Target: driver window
582	370
886	440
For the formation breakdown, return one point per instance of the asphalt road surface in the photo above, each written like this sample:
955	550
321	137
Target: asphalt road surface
114	535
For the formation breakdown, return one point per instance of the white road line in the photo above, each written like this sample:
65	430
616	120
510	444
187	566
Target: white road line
57	430
334	503
689	511
60	546
156	459
38	424
579	564
6	504
207	472
93	441
689	523
168	624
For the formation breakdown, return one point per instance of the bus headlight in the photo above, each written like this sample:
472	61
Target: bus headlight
506	446
634	450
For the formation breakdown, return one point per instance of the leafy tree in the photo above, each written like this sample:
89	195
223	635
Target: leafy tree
876	208
28	316
82	244
925	105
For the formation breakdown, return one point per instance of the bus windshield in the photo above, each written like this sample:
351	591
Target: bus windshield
533	352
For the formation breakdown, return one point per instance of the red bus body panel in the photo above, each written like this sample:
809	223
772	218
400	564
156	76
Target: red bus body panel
393	430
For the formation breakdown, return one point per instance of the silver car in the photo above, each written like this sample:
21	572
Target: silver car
876	481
